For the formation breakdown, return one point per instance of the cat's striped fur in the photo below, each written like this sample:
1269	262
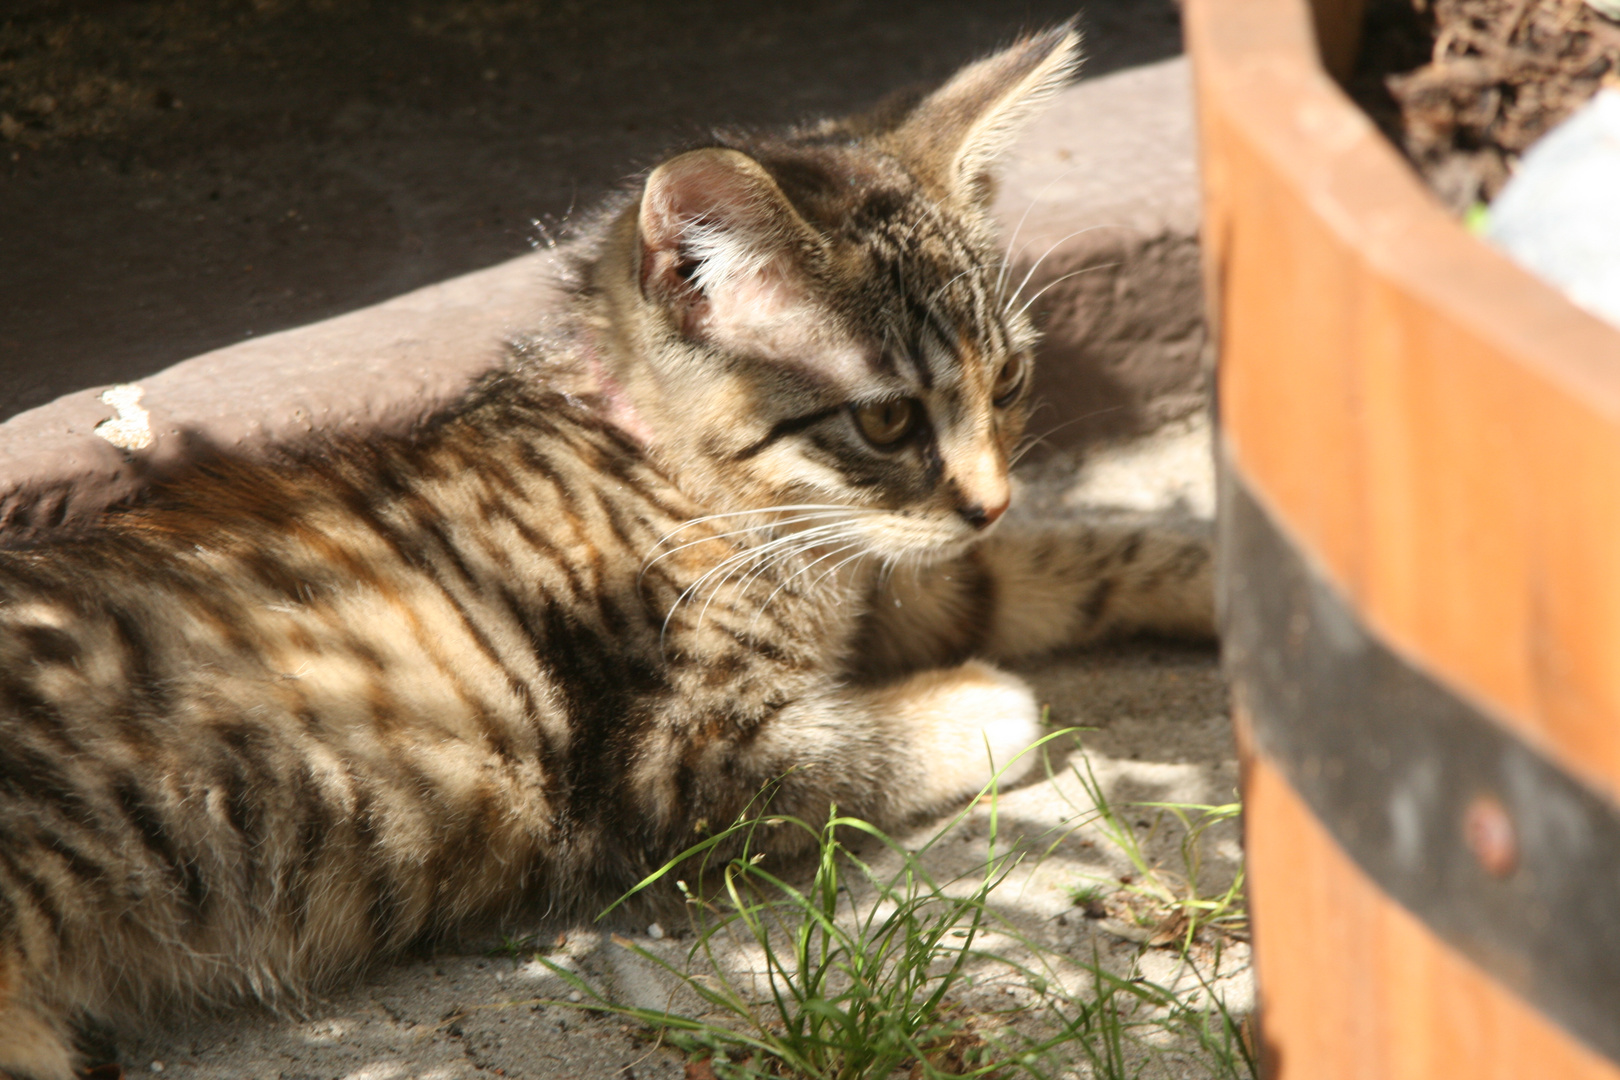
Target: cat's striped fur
277	721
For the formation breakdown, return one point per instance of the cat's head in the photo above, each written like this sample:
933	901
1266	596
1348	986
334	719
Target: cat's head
822	319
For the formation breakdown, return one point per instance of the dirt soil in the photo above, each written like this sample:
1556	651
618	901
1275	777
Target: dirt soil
1464	87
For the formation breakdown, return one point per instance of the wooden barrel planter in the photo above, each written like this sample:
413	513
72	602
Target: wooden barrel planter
1420	527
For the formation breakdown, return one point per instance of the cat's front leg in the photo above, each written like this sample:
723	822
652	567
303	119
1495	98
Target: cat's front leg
889	754
1028	591
1059	588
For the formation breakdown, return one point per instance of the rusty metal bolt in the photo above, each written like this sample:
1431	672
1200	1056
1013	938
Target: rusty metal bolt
1489	833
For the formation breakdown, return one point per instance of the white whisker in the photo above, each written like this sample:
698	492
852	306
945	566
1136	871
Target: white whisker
1006	260
1061	280
1013	299
807	537
861	554
953	280
736	532
781	509
1029	442
794	554
844	540
805	569
852	541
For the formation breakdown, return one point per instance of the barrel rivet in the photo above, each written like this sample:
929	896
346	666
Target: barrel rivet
1489	833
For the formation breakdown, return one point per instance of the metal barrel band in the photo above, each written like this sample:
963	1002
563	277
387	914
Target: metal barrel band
1500	853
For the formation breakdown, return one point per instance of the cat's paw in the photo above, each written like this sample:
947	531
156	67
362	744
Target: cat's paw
969	724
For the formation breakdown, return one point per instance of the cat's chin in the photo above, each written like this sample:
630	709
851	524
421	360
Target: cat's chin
922	544
925	555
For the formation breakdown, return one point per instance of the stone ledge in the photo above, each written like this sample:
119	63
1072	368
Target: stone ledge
1104	183
382	368
1108	181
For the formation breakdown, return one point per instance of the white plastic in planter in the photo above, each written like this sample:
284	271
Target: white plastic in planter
1560	214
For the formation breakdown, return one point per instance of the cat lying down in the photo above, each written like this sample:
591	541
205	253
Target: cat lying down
730	525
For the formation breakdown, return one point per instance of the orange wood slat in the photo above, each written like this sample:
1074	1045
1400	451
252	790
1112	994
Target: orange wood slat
1353	987
1439	431
1440	435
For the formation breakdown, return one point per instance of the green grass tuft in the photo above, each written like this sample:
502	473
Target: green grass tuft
1170	900
890	984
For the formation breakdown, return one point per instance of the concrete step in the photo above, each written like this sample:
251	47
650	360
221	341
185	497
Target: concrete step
1099	204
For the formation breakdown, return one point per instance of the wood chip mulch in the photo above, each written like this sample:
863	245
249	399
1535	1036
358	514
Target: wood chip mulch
1466	86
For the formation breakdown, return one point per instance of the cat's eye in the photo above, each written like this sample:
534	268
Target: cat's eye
885	423
1009	380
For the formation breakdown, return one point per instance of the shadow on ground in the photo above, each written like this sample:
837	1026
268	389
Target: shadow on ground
180	174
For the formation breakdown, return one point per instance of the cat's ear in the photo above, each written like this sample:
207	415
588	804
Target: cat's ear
956	136
719	240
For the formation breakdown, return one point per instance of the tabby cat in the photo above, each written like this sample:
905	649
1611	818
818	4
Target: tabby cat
728	526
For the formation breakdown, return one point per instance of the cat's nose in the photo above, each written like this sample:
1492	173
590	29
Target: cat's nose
982	489
982	517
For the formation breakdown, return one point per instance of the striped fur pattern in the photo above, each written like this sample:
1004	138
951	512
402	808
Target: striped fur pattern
728	527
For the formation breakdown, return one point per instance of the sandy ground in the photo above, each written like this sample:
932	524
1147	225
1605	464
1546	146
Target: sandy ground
1156	728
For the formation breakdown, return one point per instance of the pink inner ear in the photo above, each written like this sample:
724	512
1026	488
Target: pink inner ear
698	194
718	248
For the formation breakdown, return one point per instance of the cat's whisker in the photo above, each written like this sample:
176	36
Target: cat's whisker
787	508
1006	260
1036	406
911	233
781	585
907	562
747	556
745	531
778	508
853	537
951	281
1009	299
1062	240
861	554
742	556
886	572
1060	280
806	536
1023	448
779	558
1029	442
1013	299
828	510
831	553
834	537
893	567
763	565
734	532
806	569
